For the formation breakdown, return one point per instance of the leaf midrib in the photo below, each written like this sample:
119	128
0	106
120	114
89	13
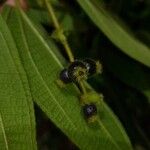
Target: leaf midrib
108	134
4	133
41	39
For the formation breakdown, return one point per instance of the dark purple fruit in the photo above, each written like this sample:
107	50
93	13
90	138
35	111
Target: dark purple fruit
64	76
77	71
91	66
89	110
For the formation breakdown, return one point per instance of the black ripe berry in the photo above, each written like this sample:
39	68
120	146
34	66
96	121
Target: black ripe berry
89	110
64	76
77	71
91	66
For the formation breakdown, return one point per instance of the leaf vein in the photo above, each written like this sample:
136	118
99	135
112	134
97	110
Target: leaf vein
3	131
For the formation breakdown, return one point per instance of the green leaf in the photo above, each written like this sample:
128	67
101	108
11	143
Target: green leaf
33	15
17	122
39	16
126	42
61	105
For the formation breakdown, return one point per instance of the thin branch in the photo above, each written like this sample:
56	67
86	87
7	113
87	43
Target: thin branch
60	34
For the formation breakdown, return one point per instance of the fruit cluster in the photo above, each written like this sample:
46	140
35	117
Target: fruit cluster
79	71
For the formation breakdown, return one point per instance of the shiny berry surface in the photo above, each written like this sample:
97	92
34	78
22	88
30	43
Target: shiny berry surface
91	66
64	76
77	71
89	110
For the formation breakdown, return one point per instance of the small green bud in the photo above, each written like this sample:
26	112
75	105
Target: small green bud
91	97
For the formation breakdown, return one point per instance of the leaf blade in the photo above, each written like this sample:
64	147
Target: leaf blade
116	34
16	106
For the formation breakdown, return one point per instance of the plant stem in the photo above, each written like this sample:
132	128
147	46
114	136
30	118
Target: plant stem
61	37
81	84
52	14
